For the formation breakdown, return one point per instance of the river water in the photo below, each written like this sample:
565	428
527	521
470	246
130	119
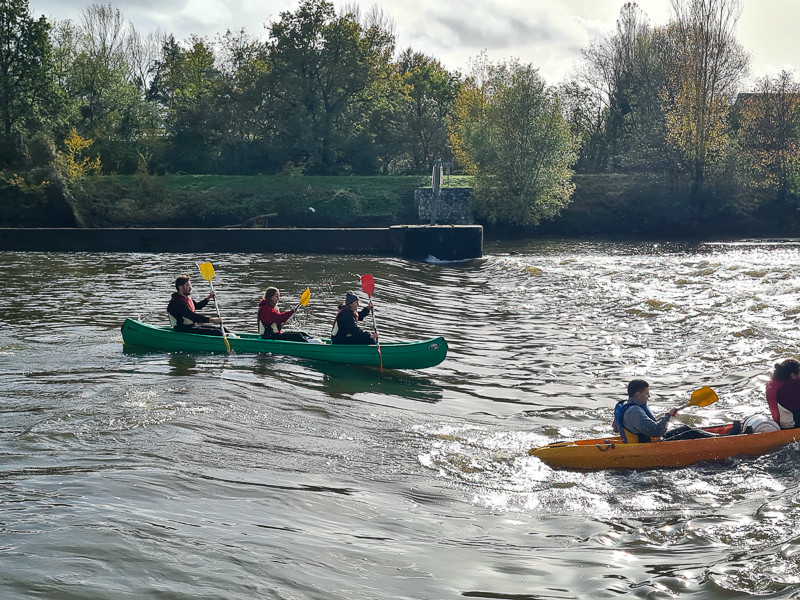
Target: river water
130	474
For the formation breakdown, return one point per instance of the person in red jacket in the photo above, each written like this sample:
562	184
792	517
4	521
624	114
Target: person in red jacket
183	314
271	320
783	393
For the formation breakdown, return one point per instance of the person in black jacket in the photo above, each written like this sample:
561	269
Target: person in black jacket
183	314
345	326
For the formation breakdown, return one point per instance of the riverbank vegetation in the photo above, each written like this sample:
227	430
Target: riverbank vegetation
251	201
327	122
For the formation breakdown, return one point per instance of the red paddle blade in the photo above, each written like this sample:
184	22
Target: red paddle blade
367	284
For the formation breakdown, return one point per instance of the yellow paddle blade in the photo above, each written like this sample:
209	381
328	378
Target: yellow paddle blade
703	397
305	297
207	271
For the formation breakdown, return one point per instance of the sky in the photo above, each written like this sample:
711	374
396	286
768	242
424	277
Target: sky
549	34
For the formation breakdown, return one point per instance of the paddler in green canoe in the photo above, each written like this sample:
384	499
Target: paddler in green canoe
345	328
182	310
635	423
271	320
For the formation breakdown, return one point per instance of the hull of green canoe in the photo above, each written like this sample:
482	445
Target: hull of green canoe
406	355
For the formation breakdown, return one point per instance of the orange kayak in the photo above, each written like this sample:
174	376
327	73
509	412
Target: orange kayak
611	453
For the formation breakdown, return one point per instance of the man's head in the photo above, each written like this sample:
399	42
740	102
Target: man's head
639	389
183	282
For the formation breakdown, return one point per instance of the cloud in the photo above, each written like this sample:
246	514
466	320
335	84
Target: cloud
494	30
548	34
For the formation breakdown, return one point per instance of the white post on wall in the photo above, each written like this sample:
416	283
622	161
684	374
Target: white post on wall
436	184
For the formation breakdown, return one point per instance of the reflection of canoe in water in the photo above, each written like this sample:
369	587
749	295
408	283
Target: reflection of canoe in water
401	355
611	453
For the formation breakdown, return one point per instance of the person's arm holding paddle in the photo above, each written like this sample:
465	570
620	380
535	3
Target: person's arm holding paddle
202	304
366	311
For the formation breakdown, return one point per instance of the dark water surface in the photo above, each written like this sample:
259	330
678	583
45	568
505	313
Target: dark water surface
130	474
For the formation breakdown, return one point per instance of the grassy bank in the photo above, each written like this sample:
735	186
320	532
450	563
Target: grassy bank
599	203
217	201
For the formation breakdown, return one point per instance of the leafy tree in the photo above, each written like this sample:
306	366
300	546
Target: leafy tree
103	86
427	110
705	67
73	162
98	72
511	129
585	113
624	74
247	101
186	85
141	54
384	138
327	71
27	94
767	122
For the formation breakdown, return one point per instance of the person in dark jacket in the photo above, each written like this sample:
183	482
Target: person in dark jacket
271	320
345	326
183	314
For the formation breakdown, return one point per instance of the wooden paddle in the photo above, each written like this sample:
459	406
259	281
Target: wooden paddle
207	272
702	397
368	287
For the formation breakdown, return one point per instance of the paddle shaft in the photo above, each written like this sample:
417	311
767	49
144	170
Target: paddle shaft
375	329
374	322
221	326
216	306
368	287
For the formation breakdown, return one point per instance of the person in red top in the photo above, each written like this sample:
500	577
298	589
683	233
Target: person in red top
182	311
271	320
783	393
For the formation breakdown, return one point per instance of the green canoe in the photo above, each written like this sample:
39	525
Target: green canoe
403	355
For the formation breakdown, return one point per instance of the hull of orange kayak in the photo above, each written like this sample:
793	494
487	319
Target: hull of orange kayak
611	453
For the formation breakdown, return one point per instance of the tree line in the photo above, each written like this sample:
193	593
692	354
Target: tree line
328	93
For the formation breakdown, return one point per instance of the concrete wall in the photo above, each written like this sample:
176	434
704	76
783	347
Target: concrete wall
453	206
409	241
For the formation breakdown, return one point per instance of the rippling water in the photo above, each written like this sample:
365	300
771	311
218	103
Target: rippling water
131	474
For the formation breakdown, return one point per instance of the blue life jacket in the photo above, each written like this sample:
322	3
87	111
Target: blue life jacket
619	412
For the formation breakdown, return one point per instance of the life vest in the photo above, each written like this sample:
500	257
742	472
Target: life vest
788	403
335	327
628	437
190	303
274	328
